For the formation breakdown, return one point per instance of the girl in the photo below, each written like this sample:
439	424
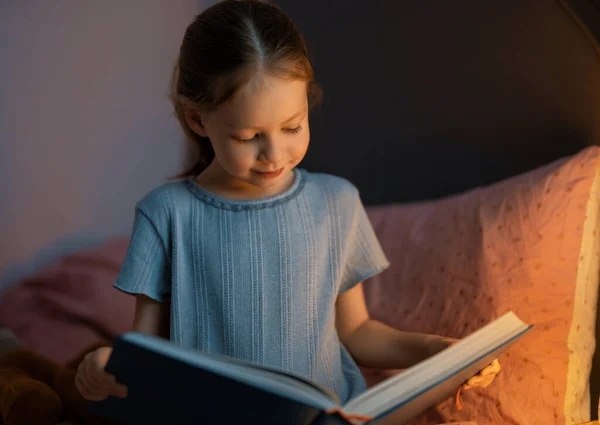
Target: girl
246	255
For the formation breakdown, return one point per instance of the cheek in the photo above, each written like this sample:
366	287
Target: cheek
236	156
299	147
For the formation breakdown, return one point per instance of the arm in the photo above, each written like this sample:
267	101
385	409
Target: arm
152	317
374	344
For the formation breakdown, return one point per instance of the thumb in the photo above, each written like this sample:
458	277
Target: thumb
492	369
119	390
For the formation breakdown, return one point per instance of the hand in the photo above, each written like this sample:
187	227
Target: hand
93	382
482	379
437	343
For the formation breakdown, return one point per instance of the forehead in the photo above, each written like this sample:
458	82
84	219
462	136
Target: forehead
264	101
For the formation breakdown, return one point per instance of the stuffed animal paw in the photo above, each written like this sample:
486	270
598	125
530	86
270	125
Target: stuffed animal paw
27	401
37	391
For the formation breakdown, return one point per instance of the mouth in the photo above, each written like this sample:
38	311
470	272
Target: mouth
269	174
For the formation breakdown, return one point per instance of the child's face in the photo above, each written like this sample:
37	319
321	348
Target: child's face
262	133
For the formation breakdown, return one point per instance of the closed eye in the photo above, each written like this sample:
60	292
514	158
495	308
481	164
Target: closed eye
294	130
246	140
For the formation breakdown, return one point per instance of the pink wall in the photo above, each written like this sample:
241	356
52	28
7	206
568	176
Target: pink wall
85	124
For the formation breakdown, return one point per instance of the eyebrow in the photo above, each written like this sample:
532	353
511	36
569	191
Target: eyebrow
292	118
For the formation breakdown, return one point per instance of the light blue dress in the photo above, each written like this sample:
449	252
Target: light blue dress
258	279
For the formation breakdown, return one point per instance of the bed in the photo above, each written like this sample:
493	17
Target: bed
471	130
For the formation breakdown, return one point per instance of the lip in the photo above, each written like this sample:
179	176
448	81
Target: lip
269	174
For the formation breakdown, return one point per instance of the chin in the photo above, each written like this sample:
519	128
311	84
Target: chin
264	184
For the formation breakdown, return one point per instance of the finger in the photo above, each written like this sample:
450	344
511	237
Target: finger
102	382
88	375
474	380
492	369
88	371
80	381
96	375
101	377
87	394
100	392
88	391
119	390
85	391
488	370
480	381
79	385
109	382
90	381
487	383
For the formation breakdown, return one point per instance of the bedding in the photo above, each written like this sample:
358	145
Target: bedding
528	244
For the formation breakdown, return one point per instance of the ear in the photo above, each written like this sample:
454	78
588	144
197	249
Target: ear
194	121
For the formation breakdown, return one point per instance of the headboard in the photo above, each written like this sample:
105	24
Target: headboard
424	99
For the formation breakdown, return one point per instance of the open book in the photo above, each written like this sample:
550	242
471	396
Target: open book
169	384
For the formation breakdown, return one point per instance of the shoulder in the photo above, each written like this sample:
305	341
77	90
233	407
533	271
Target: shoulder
164	200
337	187
336	195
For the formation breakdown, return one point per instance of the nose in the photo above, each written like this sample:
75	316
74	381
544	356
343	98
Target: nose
271	152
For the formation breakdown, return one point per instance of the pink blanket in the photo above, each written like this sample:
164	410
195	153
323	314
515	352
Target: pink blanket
63	308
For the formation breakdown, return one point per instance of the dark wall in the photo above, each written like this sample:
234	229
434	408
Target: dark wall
428	98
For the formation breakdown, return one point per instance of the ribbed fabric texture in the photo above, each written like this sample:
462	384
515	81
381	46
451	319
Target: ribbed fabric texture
257	280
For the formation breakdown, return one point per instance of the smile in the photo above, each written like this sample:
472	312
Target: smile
269	174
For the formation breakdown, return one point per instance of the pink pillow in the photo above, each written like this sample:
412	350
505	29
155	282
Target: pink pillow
459	262
63	308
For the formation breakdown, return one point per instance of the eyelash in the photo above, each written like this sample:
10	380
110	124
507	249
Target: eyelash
290	130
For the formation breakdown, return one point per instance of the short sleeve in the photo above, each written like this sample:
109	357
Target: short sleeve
146	269
364	256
